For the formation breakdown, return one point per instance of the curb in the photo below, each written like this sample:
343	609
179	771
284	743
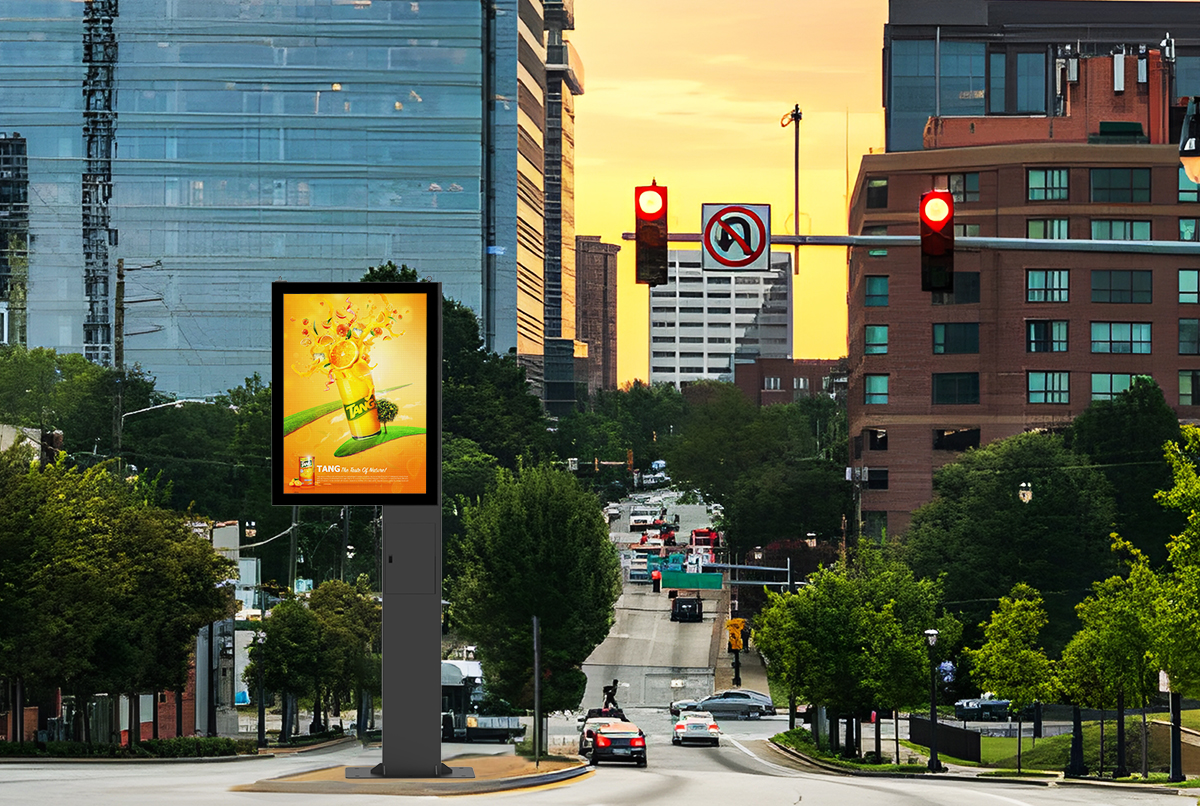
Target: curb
88	760
426	787
1047	782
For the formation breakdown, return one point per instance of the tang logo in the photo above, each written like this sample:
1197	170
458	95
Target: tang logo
360	408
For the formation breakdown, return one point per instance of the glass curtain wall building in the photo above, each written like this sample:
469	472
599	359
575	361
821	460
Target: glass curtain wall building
220	145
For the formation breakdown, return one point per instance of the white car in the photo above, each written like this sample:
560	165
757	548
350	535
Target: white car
696	726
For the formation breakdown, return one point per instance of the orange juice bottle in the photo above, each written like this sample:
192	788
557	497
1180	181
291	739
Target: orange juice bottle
307	472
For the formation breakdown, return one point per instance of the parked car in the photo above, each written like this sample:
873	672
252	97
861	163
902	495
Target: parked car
696	726
740	702
617	741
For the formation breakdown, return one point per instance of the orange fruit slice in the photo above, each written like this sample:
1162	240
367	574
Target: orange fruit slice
343	355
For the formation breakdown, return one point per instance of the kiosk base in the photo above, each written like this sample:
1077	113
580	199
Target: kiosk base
442	771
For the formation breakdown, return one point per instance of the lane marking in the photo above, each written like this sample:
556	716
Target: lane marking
740	746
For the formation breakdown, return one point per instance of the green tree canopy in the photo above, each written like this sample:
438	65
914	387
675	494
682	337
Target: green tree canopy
1124	438
980	534
536	545
853	637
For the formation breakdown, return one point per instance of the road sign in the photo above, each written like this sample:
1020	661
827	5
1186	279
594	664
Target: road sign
736	237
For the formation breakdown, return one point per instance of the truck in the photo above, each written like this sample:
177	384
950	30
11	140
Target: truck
641	516
462	694
707	537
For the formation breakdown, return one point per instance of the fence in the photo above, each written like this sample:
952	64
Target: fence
951	740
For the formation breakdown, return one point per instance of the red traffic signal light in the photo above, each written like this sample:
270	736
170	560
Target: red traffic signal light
650	209
937	241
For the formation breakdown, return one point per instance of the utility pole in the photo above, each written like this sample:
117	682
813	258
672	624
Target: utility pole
292	554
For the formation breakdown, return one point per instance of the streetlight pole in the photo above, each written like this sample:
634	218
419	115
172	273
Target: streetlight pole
260	639
793	118
934	765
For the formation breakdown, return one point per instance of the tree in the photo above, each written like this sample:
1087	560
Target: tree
290	656
980	534
1010	663
350	622
387	411
1110	660
1124	437
536	545
1177	611
852	638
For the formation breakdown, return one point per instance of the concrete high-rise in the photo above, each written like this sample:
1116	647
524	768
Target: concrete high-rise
596	308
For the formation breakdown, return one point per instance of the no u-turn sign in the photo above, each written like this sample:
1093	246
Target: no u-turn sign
736	237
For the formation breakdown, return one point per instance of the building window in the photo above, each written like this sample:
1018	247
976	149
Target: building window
966	290
1187	229
1046	285
1031	82
660	354
876	291
955	439
877	194
964	187
1106	386
955	337
1048	387
1046	336
800	384
1120	184
693	340
771	384
877	478
876	251
875	389
1047	228
1121	337
876	340
874	525
1120	230
877	439
996	95
955	388
1189	191
966	230
1189	387
1189	336
717	311
1047	184
663	339
1121	286
1189	285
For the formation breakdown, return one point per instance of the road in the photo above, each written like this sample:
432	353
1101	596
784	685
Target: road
743	771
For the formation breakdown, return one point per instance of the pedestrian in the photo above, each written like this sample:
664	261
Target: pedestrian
656	580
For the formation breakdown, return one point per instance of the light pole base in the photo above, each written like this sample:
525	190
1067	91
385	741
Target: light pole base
377	771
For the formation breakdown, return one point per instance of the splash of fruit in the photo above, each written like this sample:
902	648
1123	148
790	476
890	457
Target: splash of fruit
362	321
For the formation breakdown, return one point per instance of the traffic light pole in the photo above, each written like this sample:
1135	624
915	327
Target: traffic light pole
1191	248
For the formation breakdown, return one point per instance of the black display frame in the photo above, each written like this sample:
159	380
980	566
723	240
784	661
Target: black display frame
282	494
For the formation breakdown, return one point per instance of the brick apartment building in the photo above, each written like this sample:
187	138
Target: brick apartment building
785	380
1078	143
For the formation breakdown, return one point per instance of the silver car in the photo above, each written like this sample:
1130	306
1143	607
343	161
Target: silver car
741	703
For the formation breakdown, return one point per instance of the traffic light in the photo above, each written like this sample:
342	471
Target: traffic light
734	627
650	208
937	241
629	460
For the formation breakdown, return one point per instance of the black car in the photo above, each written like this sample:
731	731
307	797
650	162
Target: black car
687	608
618	741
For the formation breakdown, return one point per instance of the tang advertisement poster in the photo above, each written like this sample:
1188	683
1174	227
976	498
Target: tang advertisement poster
354	403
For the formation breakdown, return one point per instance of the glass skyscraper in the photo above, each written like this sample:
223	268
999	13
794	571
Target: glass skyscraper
218	146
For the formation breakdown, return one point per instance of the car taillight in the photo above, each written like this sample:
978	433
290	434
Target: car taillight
637	741
713	727
679	726
602	740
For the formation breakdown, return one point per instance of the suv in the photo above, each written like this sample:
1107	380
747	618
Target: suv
687	608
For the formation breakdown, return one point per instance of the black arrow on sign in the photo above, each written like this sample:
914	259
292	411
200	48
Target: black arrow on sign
727	236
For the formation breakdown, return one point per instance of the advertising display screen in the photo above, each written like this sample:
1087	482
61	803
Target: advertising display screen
356	393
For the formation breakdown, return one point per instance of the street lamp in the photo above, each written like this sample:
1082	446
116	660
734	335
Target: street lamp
260	639
934	765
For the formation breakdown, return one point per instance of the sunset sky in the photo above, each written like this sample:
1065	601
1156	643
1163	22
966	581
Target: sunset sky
691	93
